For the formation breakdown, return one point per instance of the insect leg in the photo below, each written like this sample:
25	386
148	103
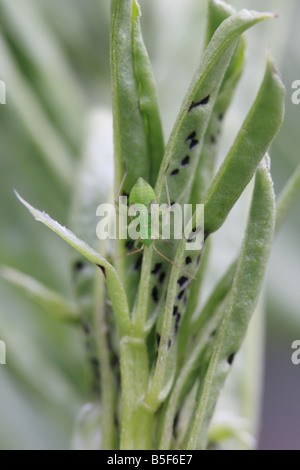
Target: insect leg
120	187
176	265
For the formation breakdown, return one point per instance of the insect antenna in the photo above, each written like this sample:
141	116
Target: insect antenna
120	187
167	187
131	253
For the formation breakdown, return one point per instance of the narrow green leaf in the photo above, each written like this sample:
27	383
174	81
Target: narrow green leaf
259	129
114	285
158	381
206	164
241	303
201	332
163	377
51	301
147	97
239	403
186	139
217	12
137	130
215	299
183	161
193	300
138	138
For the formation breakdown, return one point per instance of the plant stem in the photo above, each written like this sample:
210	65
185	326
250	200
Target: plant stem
137	423
137	417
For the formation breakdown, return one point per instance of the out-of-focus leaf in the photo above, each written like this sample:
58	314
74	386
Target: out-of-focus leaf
241	304
53	149
54	303
87	432
186	139
259	129
28	36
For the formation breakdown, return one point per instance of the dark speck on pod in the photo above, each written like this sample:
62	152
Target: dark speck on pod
156	268
182	281
102	269
129	245
185	161
199	103
180	295
175	424
231	359
191	136
138	264
178	318
175	172
155	294
194	143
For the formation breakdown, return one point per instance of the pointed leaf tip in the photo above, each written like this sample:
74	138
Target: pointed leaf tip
114	285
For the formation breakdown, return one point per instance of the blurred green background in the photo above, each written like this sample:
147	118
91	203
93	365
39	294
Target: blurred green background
54	58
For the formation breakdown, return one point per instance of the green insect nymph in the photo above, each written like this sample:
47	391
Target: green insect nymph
142	196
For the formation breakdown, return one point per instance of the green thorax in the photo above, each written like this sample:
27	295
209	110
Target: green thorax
142	193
